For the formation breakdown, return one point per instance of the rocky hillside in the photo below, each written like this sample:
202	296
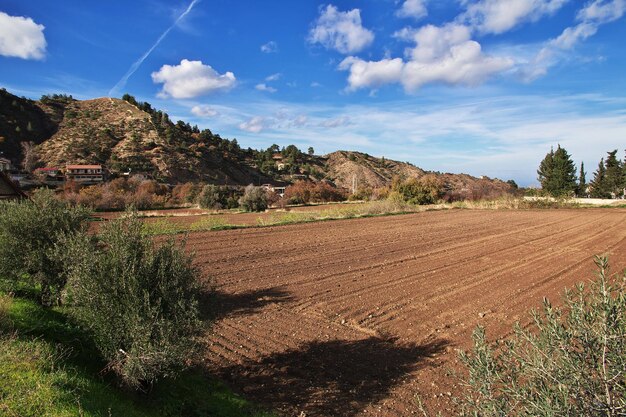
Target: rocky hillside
347	168
125	135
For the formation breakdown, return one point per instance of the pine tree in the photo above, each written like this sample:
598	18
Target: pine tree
544	173
582	181
598	184
557	173
613	174
564	173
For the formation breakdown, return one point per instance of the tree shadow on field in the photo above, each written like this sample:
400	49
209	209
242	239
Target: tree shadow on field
332	378
215	305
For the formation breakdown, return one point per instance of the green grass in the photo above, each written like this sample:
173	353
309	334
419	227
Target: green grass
49	368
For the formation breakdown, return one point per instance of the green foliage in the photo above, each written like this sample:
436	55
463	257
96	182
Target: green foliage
212	197
582	181
48	369
557	173
599	185
425	190
570	362
254	199
30	230
138	300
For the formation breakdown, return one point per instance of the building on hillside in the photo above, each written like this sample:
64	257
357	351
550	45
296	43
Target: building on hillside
5	165
84	174
278	189
8	189
49	174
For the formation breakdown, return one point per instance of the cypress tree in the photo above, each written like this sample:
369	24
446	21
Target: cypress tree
582	181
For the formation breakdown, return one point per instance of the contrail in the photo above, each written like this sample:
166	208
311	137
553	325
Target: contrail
122	82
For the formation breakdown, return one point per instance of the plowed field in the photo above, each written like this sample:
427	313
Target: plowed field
354	317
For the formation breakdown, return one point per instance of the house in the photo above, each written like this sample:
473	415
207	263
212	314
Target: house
5	165
8	189
49	174
280	190
85	174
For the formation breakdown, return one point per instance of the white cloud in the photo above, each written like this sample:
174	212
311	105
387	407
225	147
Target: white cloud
405	34
315	84
499	16
372	74
254	125
270	47
341	31
273	77
191	79
413	8
21	37
335	122
602	11
441	55
265	87
593	15
204	111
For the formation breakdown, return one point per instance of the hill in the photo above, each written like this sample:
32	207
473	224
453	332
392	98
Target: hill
126	135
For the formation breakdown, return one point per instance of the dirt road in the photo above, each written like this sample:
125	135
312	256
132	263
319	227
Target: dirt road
355	317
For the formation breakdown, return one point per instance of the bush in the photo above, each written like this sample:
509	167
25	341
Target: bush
212	197
29	232
571	362
138	300
304	192
254	199
425	190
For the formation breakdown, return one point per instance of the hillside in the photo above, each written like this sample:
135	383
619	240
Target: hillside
347	168
126	135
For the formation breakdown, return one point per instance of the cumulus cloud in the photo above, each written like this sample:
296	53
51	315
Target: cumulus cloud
191	79
593	15
21	37
254	125
265	87
499	16
270	47
204	111
443	54
413	8
372	74
341	31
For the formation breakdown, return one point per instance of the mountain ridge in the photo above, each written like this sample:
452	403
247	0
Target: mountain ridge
126	135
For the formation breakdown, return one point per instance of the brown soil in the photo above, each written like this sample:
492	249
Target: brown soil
355	317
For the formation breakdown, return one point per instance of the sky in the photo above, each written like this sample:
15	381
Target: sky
483	87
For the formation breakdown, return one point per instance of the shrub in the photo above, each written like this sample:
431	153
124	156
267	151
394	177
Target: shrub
212	197
138	300
425	190
29	233
571	362
254	199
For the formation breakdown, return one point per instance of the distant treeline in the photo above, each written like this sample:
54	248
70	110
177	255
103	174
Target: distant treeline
558	176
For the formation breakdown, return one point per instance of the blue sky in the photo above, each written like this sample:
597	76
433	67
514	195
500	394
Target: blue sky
477	86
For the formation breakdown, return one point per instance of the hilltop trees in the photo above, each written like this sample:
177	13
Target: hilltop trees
557	173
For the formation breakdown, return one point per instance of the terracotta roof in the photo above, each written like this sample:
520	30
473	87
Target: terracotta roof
84	166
